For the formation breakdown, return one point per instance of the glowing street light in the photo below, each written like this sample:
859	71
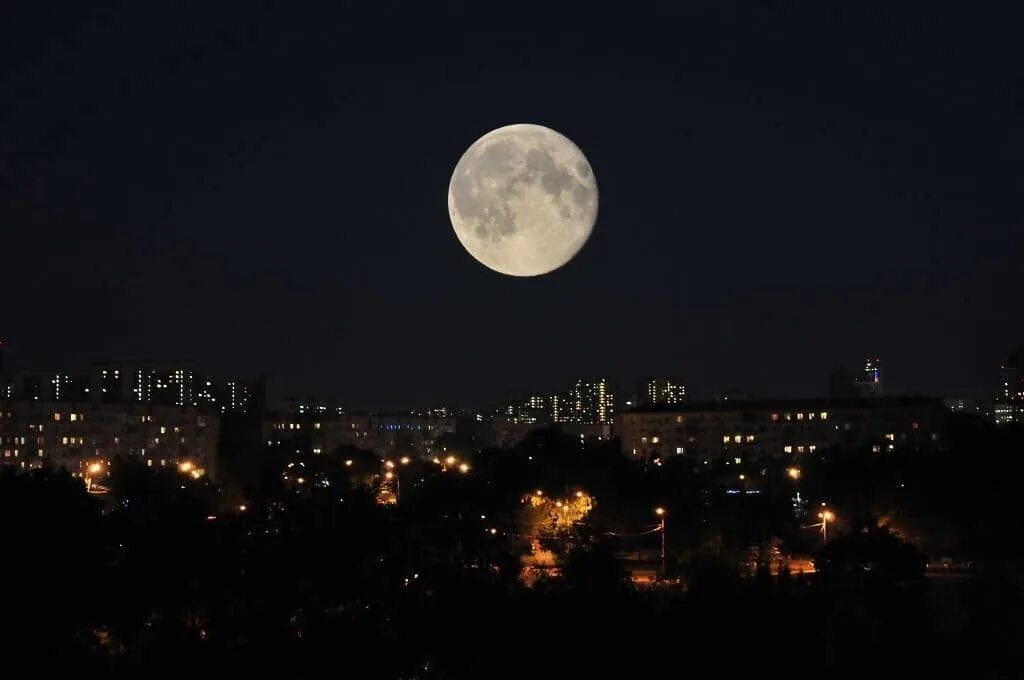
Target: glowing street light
348	463
404	460
825	516
793	472
660	512
95	468
185	466
463	468
388	464
450	460
389	475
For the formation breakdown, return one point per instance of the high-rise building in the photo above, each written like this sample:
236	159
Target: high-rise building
664	392
533	409
111	381
236	396
587	402
1008	405
68	387
870	382
168	386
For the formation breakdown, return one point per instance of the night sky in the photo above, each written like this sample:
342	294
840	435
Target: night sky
261	188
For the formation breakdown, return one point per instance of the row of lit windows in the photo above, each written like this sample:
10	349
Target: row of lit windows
738	438
800	448
810	415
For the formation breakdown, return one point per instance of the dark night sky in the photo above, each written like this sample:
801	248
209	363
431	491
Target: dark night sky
259	187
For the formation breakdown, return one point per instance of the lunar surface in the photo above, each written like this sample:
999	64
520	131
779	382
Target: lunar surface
523	200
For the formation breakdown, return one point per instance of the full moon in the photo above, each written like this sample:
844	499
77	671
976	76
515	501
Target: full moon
523	200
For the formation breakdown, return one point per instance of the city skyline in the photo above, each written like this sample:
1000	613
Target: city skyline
600	398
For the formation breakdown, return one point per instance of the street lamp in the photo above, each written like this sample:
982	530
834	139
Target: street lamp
793	472
660	512
825	516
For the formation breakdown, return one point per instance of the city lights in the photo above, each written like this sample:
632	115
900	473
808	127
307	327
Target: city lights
185	466
793	472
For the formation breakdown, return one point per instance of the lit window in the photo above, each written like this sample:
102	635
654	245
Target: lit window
787	448
789	416
725	439
680	450
654	440
812	447
163	429
876	448
890	437
56	416
737	438
824	415
800	449
750	438
799	416
810	416
775	417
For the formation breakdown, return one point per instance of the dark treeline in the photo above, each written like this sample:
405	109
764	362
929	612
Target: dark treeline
168	575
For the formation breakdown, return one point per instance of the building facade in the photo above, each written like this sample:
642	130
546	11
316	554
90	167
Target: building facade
1008	406
588	402
780	428
78	435
325	431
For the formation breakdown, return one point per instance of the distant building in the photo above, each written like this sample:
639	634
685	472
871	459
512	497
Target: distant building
1008	406
588	402
870	382
231	395
664	392
318	432
75	435
780	428
531	410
